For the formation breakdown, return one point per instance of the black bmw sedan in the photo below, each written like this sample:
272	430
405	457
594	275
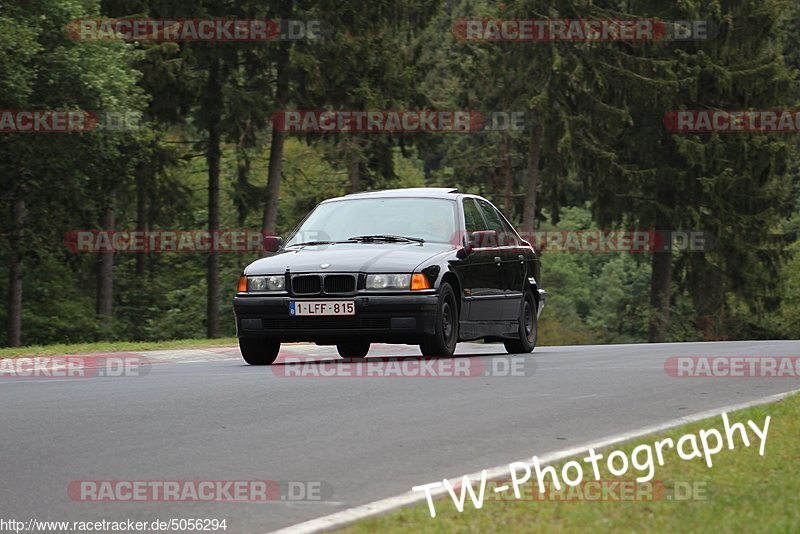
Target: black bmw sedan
422	266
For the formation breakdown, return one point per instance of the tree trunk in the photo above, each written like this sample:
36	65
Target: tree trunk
14	327
270	222
273	189
105	274
660	292
508	176
213	159
142	222
353	155
242	183
532	176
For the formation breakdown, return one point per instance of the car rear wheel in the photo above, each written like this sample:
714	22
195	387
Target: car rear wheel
528	327
257	351
357	349
443	342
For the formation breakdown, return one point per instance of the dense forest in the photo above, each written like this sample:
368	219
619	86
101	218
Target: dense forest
200	151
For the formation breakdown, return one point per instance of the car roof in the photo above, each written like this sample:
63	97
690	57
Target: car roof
429	192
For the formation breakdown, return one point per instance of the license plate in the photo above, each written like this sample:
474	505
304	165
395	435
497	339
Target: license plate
322	307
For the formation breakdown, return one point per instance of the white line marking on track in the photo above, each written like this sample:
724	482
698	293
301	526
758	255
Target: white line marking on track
346	517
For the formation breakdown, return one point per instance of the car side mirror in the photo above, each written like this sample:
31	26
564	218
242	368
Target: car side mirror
483	239
272	243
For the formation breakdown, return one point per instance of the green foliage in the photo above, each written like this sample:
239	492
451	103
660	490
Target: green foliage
593	297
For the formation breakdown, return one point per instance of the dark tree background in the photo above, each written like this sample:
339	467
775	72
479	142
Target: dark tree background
594	154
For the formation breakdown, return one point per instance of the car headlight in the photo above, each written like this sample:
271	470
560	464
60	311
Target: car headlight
266	283
388	281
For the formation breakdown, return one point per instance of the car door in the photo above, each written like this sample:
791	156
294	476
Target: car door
483	289
512	268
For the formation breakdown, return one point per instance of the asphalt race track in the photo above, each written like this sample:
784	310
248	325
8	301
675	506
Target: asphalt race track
205	415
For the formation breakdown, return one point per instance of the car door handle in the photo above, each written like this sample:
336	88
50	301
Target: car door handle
521	258
497	259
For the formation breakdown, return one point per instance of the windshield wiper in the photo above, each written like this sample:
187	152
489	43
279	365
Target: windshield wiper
387	238
314	243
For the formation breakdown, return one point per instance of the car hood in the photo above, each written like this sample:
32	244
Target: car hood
349	257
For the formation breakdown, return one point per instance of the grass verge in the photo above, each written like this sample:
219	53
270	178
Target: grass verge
742	492
113	346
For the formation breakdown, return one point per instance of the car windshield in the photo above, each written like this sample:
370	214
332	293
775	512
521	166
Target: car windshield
430	219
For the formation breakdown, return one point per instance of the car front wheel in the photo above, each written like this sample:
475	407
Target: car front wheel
528	326
257	351
443	342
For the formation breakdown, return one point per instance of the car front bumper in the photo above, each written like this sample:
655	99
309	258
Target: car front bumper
401	318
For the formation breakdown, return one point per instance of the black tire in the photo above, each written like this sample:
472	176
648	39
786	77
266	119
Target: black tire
353	349
528	328
257	351
443	342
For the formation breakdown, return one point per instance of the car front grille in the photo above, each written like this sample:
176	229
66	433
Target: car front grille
332	284
340	283
306	285
333	323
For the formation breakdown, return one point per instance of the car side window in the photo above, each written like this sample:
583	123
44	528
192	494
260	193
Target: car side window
473	221
505	234
509	236
492	220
